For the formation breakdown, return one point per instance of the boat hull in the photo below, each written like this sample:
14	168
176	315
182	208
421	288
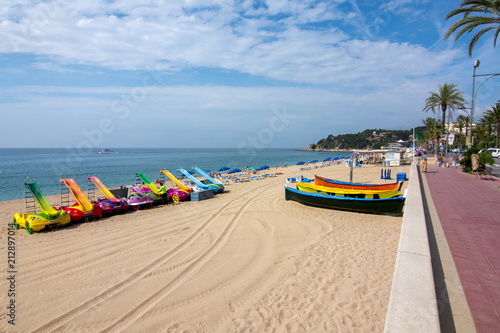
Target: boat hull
37	222
181	194
109	207
390	206
77	212
146	192
322	181
135	202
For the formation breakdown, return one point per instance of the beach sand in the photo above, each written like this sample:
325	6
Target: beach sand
243	261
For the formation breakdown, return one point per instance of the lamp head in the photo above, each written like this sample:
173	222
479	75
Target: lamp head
477	63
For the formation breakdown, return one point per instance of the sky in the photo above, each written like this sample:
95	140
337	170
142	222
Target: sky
226	73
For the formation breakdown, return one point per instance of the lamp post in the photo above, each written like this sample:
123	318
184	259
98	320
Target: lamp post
476	65
474	92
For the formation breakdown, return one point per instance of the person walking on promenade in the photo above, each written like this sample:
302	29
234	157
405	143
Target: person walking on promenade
423	163
439	160
455	159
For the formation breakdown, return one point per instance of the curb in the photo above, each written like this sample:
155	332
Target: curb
413	304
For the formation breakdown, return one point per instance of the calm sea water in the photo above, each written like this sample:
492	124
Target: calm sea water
48	165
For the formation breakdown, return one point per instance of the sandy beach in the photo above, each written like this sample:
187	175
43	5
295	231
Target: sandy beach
243	261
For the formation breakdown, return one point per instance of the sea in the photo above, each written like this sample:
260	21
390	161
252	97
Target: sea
47	166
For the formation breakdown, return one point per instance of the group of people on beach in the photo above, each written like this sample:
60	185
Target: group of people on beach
441	161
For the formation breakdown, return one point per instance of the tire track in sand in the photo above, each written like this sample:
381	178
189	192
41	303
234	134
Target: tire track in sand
60	320
138	311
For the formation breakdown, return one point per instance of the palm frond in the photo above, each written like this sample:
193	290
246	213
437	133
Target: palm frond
476	38
468	24
491	11
496	37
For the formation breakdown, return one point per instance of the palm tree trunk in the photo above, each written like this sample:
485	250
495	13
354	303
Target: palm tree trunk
443	107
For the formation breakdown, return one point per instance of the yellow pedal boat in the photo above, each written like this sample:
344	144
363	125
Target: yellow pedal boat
48	217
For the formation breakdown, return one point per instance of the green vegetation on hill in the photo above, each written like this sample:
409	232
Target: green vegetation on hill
368	139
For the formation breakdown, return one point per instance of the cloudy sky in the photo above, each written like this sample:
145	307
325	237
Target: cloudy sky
225	73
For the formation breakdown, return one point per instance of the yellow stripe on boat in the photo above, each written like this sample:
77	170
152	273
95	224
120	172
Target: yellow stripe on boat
342	192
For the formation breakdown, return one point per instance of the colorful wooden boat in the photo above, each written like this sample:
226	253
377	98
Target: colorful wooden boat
345	192
322	181
390	206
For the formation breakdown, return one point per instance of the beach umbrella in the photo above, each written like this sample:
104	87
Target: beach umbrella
301	162
234	170
327	159
264	167
191	172
224	168
314	161
207	171
336	158
251	168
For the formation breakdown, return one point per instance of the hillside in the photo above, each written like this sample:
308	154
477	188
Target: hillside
368	139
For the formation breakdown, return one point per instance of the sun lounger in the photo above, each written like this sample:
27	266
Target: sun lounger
294	179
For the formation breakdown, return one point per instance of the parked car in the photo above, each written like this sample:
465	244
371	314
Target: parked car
495	152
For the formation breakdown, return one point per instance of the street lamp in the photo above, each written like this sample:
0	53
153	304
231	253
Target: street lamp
474	92
476	65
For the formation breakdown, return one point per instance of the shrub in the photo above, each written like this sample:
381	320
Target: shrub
484	158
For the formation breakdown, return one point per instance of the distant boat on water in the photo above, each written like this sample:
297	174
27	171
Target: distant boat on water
106	151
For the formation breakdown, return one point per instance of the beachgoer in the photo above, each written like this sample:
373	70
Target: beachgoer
455	158
439	160
423	163
164	194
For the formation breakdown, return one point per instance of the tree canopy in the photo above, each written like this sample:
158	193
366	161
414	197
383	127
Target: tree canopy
476	13
448	97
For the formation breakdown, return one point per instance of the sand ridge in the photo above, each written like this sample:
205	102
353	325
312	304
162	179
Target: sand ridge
243	261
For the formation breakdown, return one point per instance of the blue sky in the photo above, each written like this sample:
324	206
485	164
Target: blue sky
242	74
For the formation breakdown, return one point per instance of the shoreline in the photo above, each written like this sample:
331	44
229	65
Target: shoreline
245	259
63	164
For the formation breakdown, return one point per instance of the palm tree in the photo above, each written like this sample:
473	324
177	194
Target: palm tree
488	123
486	13
462	122
480	133
494	113
449	96
433	131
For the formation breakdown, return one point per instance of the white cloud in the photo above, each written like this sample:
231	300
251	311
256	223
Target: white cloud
185	114
341	76
135	35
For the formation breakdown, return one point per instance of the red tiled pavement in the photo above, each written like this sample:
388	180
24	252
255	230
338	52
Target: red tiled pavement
469	211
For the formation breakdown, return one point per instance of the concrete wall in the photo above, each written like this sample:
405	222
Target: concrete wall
413	305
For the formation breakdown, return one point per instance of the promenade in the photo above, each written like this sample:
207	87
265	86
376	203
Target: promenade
468	215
